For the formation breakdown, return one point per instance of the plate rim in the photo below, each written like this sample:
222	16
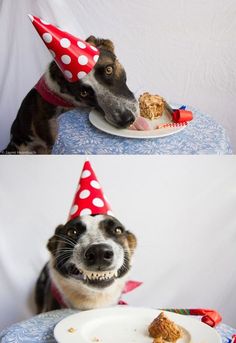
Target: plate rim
133	308
125	133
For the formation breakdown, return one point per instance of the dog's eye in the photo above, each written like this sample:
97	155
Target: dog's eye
109	70
84	93
118	230
72	233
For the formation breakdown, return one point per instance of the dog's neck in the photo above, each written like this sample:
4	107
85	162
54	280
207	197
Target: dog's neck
77	295
50	92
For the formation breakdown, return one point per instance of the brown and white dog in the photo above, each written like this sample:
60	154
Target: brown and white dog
90	260
104	88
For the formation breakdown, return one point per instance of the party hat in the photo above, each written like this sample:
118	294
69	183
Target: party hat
75	57
89	198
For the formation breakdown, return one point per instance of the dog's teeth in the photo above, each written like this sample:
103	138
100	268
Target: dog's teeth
98	275
88	274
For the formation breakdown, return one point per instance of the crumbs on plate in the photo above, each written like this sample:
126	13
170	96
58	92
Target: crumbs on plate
71	330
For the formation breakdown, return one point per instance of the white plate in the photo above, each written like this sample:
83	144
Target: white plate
97	119
124	324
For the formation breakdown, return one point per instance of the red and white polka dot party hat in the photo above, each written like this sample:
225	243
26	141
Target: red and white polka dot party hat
89	197
75	57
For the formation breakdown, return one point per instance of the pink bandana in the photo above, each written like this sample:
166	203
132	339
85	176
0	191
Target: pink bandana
129	286
48	95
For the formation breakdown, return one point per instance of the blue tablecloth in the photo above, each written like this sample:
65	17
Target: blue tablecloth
40	329
78	136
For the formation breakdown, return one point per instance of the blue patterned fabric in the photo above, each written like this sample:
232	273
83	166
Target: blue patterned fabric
39	329
78	136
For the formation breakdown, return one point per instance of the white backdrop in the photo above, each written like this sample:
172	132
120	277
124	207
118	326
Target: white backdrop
184	50
182	210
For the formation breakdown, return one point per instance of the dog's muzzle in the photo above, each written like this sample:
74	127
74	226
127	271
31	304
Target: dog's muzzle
98	270
119	112
123	120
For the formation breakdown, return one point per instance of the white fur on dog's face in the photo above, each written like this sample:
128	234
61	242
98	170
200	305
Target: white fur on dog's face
79	250
114	106
94	235
81	286
104	87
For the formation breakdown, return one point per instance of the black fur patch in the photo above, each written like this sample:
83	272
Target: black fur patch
43	297
61	245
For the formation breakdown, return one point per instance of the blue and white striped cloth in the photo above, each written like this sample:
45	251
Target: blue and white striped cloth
203	135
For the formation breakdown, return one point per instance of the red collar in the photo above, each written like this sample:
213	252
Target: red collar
57	295
129	286
50	96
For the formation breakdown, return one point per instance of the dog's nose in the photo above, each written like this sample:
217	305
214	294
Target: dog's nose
126	119
99	254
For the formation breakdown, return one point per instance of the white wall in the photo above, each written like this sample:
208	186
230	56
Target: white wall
183	50
182	210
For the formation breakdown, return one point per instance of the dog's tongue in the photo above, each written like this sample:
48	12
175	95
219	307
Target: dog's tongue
140	124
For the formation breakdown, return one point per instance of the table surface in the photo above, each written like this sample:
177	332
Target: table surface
39	329
78	136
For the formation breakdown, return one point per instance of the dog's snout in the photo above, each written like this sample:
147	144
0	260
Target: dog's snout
99	255
126	119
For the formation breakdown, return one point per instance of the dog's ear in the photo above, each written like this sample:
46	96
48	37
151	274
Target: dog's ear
132	241
53	241
106	44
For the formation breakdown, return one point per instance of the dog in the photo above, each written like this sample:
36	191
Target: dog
90	260
35	128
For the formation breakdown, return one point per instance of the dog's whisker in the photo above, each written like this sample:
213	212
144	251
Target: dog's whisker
63	252
57	251
62	256
65	248
62	240
66	239
71	246
62	262
62	248
126	258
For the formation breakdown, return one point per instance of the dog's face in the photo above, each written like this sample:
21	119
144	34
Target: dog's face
95	250
105	88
